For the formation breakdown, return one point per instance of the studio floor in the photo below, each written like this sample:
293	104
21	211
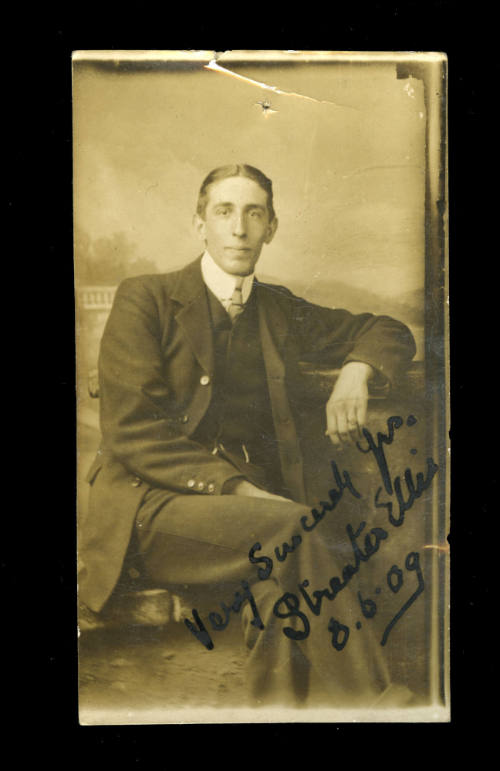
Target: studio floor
132	670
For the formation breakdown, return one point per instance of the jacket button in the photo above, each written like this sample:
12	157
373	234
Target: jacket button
136	482
201	485
185	418
211	487
204	380
134	573
191	483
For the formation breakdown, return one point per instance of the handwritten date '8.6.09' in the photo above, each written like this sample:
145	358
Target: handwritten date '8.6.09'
340	632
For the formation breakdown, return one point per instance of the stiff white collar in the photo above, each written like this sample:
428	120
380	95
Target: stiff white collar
222	284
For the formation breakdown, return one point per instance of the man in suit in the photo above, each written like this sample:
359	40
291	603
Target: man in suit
200	458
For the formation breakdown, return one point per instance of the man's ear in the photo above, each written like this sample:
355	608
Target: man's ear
199	226
273	226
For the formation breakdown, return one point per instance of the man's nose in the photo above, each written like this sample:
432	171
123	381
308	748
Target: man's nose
239	224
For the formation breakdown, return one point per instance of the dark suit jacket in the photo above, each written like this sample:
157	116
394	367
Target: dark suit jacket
156	367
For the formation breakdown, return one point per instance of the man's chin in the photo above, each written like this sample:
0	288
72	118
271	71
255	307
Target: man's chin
242	265
247	271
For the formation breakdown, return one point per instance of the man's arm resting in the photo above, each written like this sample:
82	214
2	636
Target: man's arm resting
367	347
333	337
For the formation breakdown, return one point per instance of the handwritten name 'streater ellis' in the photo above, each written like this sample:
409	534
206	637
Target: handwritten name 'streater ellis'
200	458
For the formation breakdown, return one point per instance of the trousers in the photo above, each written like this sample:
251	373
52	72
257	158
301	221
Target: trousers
204	543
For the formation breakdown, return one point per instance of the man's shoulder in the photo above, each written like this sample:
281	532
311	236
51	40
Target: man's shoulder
282	295
275	290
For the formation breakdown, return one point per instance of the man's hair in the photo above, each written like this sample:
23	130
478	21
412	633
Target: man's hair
235	170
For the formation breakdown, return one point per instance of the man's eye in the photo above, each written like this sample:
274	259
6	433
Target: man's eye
223	211
256	214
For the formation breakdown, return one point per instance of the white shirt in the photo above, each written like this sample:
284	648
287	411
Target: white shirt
222	284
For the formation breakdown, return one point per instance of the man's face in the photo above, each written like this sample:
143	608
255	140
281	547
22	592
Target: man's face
236	224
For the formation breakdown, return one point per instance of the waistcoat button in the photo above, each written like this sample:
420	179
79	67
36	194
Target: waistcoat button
204	380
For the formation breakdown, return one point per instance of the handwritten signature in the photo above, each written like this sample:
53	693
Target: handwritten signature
406	489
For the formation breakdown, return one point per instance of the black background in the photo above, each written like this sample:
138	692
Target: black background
39	470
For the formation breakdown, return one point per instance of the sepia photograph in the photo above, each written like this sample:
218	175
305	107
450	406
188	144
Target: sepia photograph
261	287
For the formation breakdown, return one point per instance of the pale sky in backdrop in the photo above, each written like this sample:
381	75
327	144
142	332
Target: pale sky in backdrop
347	164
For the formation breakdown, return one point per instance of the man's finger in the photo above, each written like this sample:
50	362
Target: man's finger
352	423
336	440
361	409
332	428
342	425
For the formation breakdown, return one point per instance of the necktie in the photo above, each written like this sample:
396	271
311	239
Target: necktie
236	307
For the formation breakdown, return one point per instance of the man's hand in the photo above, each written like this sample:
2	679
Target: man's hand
346	407
243	487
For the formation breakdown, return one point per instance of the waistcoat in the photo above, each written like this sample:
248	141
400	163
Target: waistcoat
239	417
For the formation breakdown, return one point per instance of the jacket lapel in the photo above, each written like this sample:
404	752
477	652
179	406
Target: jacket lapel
274	327
194	315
